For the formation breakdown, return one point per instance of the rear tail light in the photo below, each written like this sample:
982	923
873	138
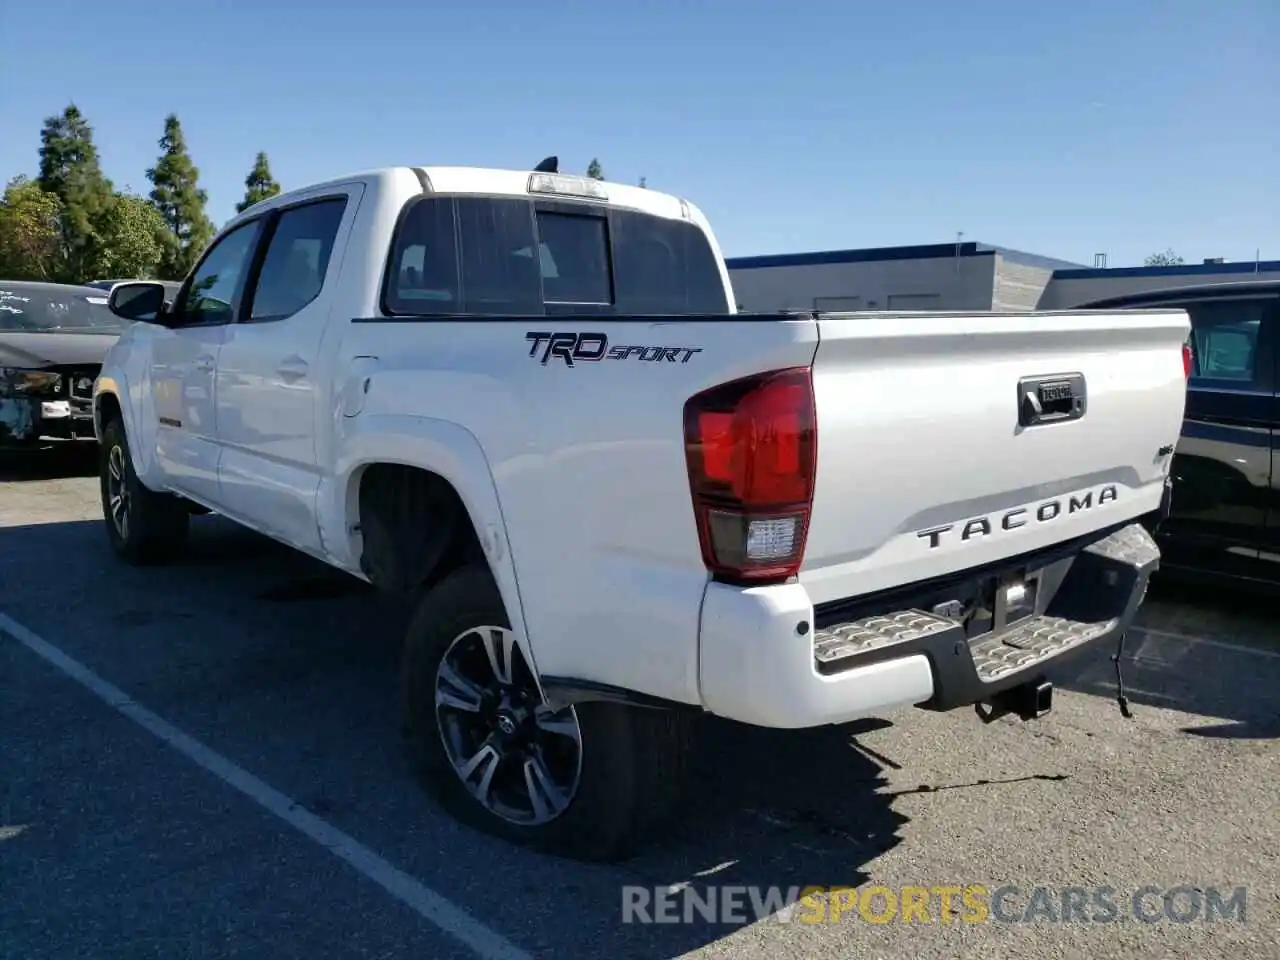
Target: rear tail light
751	447
1188	361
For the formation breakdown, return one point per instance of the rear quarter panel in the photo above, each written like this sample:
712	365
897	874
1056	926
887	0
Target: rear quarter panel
589	467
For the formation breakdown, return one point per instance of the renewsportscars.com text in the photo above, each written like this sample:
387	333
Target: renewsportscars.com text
945	903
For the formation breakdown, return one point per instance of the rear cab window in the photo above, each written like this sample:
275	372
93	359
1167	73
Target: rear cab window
517	256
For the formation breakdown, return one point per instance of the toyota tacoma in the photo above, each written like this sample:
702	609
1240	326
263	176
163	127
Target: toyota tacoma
526	402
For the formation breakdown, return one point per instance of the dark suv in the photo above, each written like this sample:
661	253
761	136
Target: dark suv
1224	521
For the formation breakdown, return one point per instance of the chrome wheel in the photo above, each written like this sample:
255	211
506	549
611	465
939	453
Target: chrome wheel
118	492
518	758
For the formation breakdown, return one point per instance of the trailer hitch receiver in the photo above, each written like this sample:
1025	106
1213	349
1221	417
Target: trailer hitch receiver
1027	701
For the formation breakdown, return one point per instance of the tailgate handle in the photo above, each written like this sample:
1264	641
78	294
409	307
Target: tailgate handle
1051	399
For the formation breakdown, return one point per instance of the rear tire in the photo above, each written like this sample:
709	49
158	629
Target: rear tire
144	527
526	783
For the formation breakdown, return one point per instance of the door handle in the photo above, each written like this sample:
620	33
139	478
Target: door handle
204	363
291	369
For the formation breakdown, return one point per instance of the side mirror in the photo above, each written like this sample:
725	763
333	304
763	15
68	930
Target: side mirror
140	301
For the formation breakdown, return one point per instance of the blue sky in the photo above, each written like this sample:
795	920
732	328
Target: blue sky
1064	129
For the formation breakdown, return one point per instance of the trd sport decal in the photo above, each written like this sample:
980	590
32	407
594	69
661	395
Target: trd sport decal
591	347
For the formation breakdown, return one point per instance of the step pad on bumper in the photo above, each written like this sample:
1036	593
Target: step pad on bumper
1082	597
874	633
1030	642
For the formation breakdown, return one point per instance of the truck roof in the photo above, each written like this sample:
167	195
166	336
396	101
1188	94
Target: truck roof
1196	291
485	180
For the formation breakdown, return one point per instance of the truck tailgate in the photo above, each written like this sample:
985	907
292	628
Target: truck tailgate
930	457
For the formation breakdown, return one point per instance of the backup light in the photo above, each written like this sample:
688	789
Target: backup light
565	186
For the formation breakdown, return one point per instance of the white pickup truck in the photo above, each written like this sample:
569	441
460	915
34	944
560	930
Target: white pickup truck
525	401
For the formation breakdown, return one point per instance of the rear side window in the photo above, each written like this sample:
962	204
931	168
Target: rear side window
1225	336
514	256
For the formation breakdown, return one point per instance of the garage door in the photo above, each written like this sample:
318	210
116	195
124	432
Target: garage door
837	304
914	301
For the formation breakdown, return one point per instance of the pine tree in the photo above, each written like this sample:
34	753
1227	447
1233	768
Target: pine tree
67	153
258	185
594	170
644	182
70	170
177	196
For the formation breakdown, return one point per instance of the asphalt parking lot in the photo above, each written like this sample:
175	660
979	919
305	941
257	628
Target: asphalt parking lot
205	760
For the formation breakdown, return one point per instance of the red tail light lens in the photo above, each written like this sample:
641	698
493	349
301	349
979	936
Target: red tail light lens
751	448
1188	360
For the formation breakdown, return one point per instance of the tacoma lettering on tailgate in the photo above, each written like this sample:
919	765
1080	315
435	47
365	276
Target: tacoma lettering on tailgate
1021	516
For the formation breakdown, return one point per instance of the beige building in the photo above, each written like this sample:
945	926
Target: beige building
953	276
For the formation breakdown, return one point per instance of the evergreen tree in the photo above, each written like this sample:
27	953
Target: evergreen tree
177	196
68	156
258	185
644	182
70	171
594	170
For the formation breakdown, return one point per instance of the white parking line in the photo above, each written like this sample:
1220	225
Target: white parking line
1207	642
431	906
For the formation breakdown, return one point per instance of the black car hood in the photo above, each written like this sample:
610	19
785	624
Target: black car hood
44	349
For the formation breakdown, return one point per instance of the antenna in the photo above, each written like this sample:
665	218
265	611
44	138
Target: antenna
549	165
959	237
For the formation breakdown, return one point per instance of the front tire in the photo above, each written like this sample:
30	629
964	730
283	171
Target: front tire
588	781
144	527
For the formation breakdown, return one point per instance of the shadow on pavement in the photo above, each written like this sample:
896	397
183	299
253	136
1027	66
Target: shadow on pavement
59	463
290	669
1231	613
1266	728
1202	651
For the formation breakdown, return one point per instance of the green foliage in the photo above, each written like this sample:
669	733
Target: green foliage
133	238
259	185
177	196
594	170
644	182
71	225
68	157
30	231
69	169
1166	259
